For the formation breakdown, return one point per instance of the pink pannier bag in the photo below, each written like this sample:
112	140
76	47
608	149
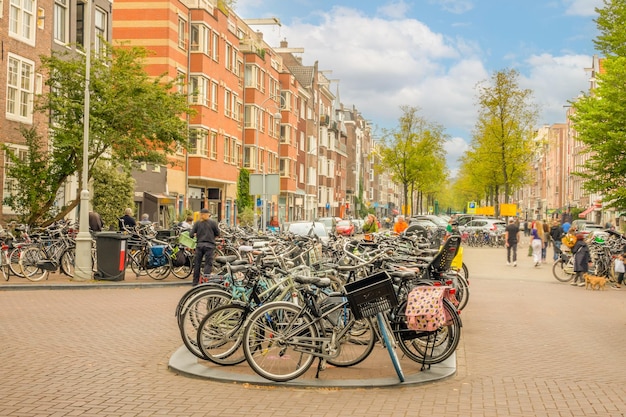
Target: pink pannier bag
424	308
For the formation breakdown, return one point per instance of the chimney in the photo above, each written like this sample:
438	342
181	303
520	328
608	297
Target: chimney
283	43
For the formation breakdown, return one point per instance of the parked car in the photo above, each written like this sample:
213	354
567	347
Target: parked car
492	226
463	219
436	220
329	223
358	225
345	228
306	228
585	226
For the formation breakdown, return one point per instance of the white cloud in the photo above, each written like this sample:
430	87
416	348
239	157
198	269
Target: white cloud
383	63
555	80
455	6
455	148
582	7
394	10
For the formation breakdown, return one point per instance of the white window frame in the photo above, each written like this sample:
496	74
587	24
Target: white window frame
214	95
23	20
198	138
8	182
182	32
23	99
213	144
202	44
101	31
198	90
61	32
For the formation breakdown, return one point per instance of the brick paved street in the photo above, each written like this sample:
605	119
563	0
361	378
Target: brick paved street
531	346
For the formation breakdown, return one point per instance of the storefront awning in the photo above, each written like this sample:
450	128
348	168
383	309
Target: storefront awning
587	211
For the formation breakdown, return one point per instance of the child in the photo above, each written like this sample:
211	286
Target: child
619	270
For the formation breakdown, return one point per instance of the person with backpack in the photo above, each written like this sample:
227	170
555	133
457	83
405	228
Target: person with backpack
556	234
582	257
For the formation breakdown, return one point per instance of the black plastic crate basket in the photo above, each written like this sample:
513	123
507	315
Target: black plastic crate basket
371	295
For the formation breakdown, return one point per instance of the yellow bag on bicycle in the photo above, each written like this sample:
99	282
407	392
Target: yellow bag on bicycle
457	262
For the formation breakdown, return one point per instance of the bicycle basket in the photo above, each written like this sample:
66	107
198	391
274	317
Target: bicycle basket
187	241
371	295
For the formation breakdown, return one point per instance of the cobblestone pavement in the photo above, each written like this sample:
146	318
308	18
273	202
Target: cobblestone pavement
531	346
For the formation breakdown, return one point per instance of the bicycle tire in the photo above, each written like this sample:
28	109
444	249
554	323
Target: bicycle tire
5	265
461	286
136	260
355	344
221	332
68	261
14	263
414	344
184	271
197	308
161	272
390	344
560	272
29	258
269	339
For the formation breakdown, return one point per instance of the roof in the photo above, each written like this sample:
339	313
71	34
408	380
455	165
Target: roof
304	74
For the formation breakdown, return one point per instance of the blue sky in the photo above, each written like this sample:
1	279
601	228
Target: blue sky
432	53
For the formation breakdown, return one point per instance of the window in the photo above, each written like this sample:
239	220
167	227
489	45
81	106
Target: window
227	53
213	145
80	24
22	20
226	149
61	21
285	167
213	95
10	183
100	25
215	46
200	38
227	103
182	30
20	81
199	90
198	142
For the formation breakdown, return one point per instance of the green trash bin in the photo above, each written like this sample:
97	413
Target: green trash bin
111	256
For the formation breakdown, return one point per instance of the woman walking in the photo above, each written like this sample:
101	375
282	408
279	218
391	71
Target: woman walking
582	257
536	244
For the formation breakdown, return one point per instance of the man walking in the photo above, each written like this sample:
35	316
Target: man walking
206	230
511	237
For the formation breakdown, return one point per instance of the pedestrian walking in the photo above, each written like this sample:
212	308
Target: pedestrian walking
511	238
187	224
95	222
536	244
582	257
205	230
401	225
556	234
145	219
619	270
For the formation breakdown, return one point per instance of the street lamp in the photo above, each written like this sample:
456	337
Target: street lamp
83	264
277	116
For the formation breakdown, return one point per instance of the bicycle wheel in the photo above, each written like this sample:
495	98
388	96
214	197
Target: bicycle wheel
29	258
193	313
220	334
429	348
562	271
280	341
185	270
137	261
14	263
390	343
68	261
5	265
355	339
461	286
161	272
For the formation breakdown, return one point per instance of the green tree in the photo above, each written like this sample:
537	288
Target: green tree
413	153
113	189
503	139
133	117
35	178
599	116
244	199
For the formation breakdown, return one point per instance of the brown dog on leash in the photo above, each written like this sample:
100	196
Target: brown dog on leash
594	282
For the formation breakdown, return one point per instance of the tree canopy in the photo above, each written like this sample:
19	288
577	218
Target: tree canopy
599	116
413	153
133	117
502	145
